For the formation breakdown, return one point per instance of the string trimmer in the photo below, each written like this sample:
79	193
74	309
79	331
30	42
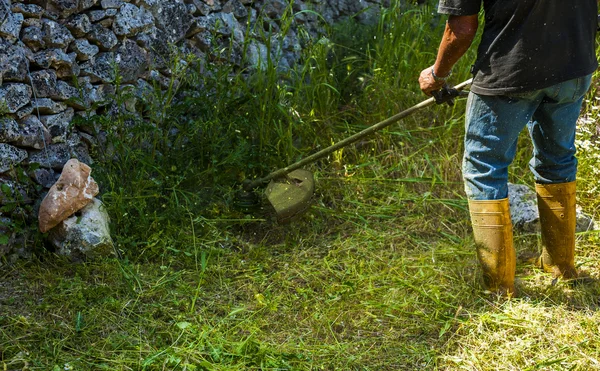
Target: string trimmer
290	188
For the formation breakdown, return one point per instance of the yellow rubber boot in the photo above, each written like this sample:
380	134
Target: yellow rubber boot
556	204
492	230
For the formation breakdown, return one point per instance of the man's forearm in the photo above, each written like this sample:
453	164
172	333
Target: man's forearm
458	36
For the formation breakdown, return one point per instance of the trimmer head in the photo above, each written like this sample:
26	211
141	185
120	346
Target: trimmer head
292	194
247	201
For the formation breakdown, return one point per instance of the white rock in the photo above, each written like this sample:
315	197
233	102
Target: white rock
85	235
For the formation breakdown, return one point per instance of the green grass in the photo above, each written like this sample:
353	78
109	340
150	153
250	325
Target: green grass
379	275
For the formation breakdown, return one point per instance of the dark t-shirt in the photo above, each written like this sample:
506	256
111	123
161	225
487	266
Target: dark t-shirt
530	44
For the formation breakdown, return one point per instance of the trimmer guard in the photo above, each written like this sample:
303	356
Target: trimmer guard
292	194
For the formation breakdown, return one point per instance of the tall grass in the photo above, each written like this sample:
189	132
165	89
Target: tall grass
190	146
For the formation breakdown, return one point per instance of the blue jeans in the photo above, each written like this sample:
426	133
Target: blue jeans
493	124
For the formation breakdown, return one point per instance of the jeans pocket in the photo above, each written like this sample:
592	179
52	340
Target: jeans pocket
578	84
582	85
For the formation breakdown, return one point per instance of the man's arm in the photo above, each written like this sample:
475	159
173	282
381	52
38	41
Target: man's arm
458	36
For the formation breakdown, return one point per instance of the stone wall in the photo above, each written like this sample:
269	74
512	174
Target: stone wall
61	58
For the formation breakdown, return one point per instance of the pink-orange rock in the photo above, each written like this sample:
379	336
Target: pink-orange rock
72	191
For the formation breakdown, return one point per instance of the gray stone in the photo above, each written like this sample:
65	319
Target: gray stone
54	58
236	7
102	94
290	42
15	96
33	37
132	61
13	62
204	40
128	95
160	79
206	7
83	49
70	68
111	4
257	55
58	124
85	235
222	22
32	133
84	84
72	96
24	111
28	10
10	156
89	127
89	140
63	8
86	4
56	35
32	22
100	68
106	23
191	8
79	25
45	58
4	10
189	48
104	38
79	149
584	222
96	15
148	3
233	27
233	54
525	215
155	42
131	20
65	91
53	156
369	15
28	53
51	13
275	8
44	177
12	192
11	28
44	83
47	106
290	59
171	17
201	24
523	208
9	130
254	16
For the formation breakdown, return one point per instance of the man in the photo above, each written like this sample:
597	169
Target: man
533	68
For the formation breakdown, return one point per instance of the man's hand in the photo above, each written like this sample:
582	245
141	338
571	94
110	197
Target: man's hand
458	36
428	83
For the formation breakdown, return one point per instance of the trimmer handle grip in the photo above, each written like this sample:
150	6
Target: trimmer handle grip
446	95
